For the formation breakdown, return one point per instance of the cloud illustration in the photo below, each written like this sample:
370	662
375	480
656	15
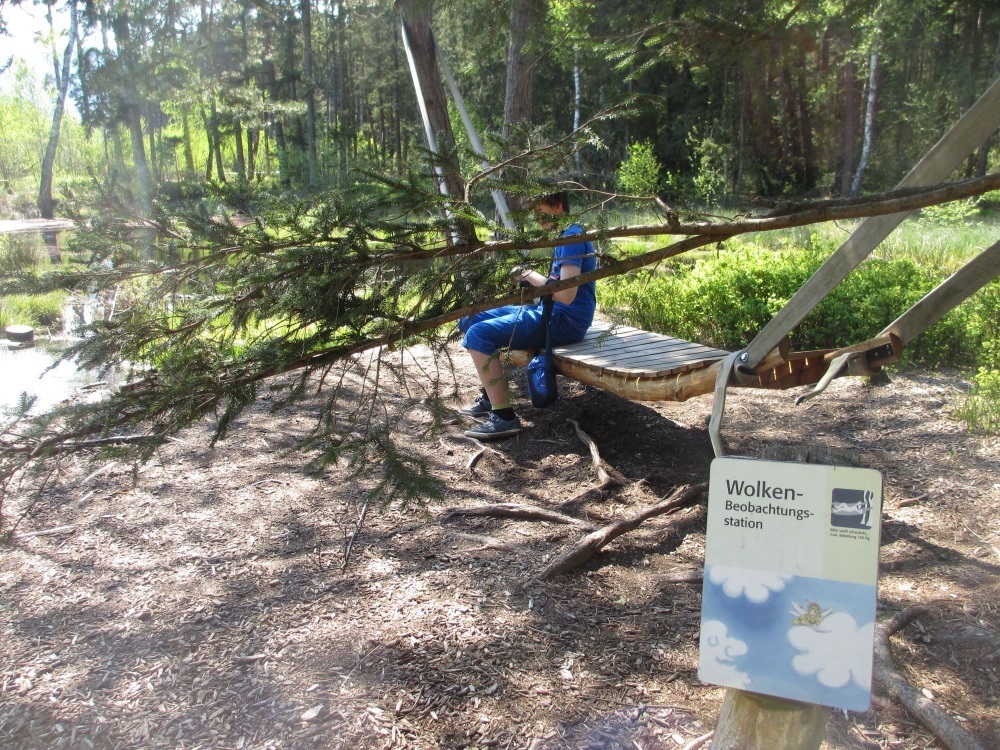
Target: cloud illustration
836	651
756	585
717	651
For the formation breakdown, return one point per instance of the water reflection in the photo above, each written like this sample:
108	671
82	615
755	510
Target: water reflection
34	251
34	369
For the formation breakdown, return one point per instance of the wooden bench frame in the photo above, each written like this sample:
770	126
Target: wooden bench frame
644	366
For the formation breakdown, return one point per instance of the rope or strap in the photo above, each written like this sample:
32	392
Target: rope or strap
970	132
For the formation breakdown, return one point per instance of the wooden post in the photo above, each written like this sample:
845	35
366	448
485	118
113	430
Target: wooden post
750	721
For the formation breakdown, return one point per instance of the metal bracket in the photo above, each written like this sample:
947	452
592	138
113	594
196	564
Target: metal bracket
832	371
719	404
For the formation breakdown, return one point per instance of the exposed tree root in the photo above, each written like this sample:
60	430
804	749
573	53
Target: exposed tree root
590	545
518	510
926	711
474	459
607	476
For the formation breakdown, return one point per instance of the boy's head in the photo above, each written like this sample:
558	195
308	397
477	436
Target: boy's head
557	202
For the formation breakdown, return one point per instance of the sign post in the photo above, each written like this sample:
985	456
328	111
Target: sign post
791	562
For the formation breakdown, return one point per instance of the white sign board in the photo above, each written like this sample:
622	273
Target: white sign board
791	561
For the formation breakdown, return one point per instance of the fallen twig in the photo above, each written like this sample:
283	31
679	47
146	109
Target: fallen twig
683	575
47	532
912	501
698	742
522	511
926	711
474	459
80	445
590	545
357	530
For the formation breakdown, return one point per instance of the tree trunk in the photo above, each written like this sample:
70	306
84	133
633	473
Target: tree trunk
982	157
46	206
849	126
253	136
869	134
207	121
188	149
241	162
577	96
216	142
810	170
310	98
143	180
517	99
517	96
416	15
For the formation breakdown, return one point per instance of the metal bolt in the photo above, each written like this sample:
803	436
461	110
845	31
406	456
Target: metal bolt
744	357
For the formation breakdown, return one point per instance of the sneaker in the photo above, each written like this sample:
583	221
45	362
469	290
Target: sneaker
480	408
495	427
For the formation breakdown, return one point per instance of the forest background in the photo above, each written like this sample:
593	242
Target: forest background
728	99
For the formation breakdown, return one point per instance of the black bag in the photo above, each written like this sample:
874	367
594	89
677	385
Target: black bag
542	369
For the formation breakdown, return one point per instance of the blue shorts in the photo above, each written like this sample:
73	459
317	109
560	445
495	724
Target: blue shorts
517	327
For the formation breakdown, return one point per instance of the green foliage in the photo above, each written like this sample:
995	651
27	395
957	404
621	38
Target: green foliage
725	300
954	214
980	410
640	173
36	310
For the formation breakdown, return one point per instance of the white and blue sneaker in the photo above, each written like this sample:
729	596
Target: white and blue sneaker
481	407
495	427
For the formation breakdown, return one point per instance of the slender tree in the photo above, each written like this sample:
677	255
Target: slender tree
46	206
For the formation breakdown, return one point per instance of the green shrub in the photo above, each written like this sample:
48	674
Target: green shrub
639	174
980	410
727	299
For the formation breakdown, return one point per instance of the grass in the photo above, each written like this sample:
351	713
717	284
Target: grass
36	310
935	239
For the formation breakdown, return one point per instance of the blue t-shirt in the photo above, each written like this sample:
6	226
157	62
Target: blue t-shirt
581	254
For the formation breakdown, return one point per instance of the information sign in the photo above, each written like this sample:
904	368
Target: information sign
791	561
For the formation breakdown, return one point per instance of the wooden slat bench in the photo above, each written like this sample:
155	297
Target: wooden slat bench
643	366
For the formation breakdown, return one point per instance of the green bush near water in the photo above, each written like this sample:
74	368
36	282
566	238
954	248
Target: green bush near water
36	310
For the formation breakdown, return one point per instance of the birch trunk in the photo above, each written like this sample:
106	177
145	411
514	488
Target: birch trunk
869	134
46	206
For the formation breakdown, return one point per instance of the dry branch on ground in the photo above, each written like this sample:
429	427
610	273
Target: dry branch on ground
926	711
585	549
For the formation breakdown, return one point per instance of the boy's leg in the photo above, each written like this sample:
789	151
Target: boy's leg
491	375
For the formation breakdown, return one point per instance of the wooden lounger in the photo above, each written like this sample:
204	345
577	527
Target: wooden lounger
644	366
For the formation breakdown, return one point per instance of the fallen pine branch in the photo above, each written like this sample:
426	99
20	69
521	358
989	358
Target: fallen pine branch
70	447
522	511
926	711
585	549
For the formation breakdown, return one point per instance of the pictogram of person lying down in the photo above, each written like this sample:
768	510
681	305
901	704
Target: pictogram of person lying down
852	508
